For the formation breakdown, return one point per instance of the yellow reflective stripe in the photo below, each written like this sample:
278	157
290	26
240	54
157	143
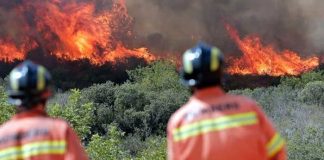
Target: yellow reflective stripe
219	119
216	124
33	149
275	145
14	83
214	60
187	65
40	78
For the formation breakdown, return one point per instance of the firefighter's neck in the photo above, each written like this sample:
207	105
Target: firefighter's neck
195	89
212	91
37	107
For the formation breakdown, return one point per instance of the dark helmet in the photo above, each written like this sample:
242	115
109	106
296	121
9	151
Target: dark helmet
29	84
202	66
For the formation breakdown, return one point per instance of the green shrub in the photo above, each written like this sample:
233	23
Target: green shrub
79	115
6	110
144	104
313	93
296	110
303	79
306	144
103	97
156	148
133	144
158	76
107	147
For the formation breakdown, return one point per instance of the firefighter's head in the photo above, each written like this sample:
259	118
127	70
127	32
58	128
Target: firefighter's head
202	66
29	85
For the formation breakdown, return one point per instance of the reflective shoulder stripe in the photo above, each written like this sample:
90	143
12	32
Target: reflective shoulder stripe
214	124
33	149
275	145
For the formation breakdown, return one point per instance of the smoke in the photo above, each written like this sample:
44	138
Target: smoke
174	25
313	11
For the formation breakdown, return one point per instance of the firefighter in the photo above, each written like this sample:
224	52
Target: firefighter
31	133
215	125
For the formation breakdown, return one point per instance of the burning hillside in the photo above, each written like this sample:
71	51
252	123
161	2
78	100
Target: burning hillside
259	59
97	40
71	30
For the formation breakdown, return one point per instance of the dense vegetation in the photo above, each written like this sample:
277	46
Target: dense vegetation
128	121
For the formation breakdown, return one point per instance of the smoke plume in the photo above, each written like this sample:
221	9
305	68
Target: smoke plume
174	25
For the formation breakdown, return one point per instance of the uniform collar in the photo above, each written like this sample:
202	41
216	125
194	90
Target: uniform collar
205	93
34	112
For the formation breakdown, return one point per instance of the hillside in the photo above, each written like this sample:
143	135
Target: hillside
124	121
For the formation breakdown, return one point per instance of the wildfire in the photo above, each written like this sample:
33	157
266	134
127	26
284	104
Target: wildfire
73	30
266	60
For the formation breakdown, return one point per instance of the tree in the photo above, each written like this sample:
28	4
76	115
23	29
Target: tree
145	103
103	97
313	93
155	149
80	116
107	147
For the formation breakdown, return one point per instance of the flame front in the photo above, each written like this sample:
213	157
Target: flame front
265	60
73	30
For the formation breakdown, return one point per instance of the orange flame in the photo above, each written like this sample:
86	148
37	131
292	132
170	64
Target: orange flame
265	60
9	52
72	30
